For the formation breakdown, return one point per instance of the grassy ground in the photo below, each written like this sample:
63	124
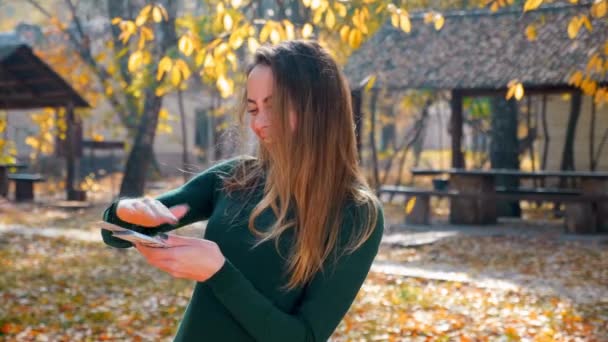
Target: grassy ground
60	289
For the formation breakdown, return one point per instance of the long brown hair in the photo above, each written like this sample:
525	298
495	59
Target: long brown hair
313	170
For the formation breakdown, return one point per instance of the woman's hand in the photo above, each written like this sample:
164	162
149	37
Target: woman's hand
188	258
149	212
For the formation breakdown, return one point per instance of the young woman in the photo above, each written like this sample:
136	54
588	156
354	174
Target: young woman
292	232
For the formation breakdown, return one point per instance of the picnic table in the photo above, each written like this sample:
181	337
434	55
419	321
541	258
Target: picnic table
474	194
4	167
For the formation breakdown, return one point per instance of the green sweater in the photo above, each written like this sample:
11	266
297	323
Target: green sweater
244	301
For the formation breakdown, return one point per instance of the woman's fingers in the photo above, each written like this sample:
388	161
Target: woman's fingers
163	214
149	212
180	210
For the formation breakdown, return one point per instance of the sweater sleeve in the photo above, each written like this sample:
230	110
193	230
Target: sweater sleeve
325	301
199	193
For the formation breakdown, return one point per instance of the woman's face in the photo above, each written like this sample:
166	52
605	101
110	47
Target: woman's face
259	102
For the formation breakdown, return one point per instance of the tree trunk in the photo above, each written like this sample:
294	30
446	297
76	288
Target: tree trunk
141	154
372	137
182	116
504	149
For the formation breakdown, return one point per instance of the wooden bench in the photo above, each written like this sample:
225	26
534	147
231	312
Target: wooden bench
579	207
24	185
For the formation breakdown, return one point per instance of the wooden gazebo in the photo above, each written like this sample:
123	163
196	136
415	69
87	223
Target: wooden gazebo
27	82
477	53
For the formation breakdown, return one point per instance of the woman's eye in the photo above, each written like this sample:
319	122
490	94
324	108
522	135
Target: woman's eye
252	111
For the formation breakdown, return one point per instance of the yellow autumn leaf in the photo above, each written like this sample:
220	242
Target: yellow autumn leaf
395	20
183	68
146	33
428	17
355	19
576	78
439	20
314	4
135	61
176	77
516	89
252	44
306	3
370	83
594	64
531	32
354	38
532	5
228	22
585	21
236	40
185	45
275	36
409	206
220	50
225	86
165	64
231	57
143	15
330	19
573	27
236	3
344	33
265	32
307	30
157	15
116	21
406	25
289	30
599	8
341	8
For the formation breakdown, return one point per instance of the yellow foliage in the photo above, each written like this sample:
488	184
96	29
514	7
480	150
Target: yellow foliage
340	8
143	15
516	89
307	30
227	22
531	32
127	28
344	33
409	206
226	86
354	38
595	64
164	66
135	61
404	19
289	29
576	79
599	8
252	44
186	45
439	20
330	19
532	5
159	13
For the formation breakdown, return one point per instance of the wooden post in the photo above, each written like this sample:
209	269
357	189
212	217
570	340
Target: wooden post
73	152
356	96
456	130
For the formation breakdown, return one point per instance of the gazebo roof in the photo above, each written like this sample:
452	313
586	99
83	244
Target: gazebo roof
28	82
480	51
